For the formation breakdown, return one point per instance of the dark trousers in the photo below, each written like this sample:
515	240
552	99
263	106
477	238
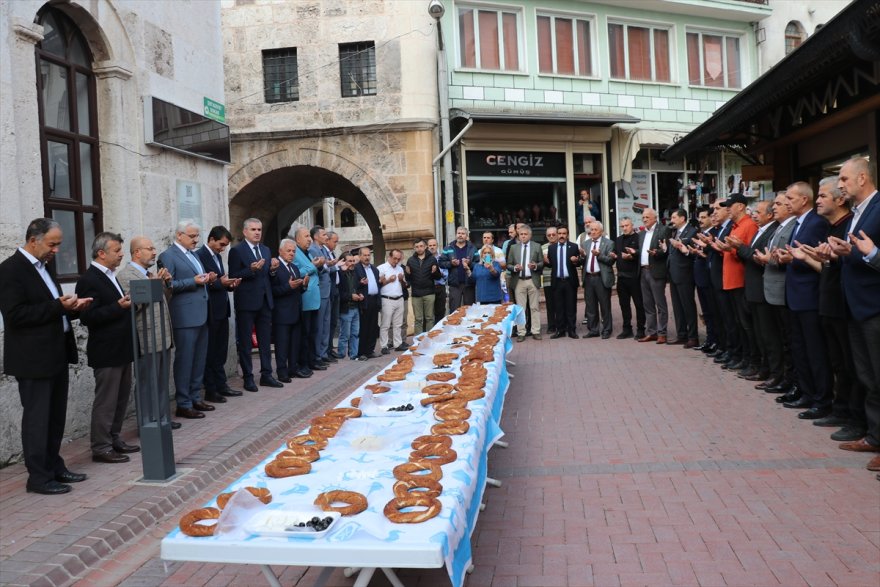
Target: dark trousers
864	338
849	393
565	293
215	364
747	341
245	322
628	288
112	391
763	364
710	313
684	308
369	318
731	330
810	358
597	298
439	303
44	411
461	295
308	333
770	337
287	343
550	305
783	323
334	313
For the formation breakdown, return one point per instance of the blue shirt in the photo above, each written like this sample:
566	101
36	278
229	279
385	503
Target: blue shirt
488	285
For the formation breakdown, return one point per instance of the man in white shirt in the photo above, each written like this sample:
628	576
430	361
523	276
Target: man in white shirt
391	283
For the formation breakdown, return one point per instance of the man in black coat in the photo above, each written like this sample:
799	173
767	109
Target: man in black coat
109	348
703	280
681	279
564	258
287	287
367	278
38	345
626	246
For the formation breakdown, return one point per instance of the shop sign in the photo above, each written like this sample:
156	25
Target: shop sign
635	196
515	164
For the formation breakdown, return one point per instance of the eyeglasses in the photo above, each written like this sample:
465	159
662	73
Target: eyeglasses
193	236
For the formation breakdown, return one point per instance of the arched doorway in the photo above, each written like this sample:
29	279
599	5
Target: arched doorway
280	196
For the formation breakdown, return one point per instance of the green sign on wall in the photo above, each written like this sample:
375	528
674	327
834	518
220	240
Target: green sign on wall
215	110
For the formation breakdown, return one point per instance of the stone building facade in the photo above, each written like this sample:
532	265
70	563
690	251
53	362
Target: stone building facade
99	62
336	99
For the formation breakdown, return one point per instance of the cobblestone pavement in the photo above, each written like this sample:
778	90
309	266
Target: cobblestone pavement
629	464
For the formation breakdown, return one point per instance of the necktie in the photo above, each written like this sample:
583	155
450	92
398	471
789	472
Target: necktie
560	253
593	257
522	260
794	232
194	262
257	252
218	262
293	274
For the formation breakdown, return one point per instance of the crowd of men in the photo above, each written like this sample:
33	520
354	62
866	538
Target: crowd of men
789	292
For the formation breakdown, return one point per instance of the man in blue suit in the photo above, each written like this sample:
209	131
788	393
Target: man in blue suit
189	318
287	286
861	287
253	263
216	387
320	256
311	300
802	298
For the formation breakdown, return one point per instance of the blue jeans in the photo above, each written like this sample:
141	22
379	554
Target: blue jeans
349	328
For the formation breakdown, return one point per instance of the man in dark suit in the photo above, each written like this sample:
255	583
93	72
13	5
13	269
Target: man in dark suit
109	348
287	314
320	256
681	279
652	266
732	351
564	258
598	255
253	263
189	318
216	387
367	278
626	247
38	345
861	283
703	279
802	297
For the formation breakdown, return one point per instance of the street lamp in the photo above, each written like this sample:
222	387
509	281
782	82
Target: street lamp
437	10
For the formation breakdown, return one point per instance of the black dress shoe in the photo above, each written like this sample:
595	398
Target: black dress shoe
722	358
329	359
591	335
385	350
800	404
175	425
832	421
373	355
624	335
125	448
318	367
573	335
251	386
269	381
848	433
606	335
203	407
771	382
759	376
215	398
284	379
303	374
557	335
814	413
188	413
111	456
788	397
335	355
49	488
780	387
228	392
402	347
71	477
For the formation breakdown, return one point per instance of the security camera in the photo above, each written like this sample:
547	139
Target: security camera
436	9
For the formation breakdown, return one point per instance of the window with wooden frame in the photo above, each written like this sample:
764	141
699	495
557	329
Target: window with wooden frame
794	36
565	45
489	38
639	52
714	60
68	139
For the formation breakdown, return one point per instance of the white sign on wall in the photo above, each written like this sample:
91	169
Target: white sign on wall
189	201
633	197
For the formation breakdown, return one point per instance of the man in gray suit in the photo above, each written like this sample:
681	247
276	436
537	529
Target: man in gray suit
525	261
774	293
320	256
189	318
652	261
599	256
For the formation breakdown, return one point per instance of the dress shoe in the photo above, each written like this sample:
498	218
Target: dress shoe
229	392
832	421
359	358
814	413
203	407
661	339
677	341
573	335
557	335
711	350
251	386
848	434
874	465
111	456
771	382
536	336
215	398
639	334
625	334
520	338
800	404
373	355
176	425
692	343
49	488
336	355
591	335
788	397
328	359
124	448
323	362
318	367
859	446
703	347
650	338
402	347
606	335
747	372
70	477
302	374
269	381
718	352
781	387
385	350
188	413
722	358
285	379
759	376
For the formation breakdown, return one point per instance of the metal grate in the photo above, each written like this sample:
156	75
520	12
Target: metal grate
357	69
280	76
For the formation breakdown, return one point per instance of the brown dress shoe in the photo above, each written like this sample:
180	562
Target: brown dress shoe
203	407
188	413
859	446
661	340
692	343
874	464
650	338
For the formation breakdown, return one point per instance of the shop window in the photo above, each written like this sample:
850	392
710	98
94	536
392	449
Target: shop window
714	60
280	75
489	39
639	53
794	36
564	45
357	69
68	139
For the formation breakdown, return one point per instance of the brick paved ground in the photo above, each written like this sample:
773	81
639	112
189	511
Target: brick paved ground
629	464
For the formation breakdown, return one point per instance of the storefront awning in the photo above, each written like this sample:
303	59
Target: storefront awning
567	118
626	141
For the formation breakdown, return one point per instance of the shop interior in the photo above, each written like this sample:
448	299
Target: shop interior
495	205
